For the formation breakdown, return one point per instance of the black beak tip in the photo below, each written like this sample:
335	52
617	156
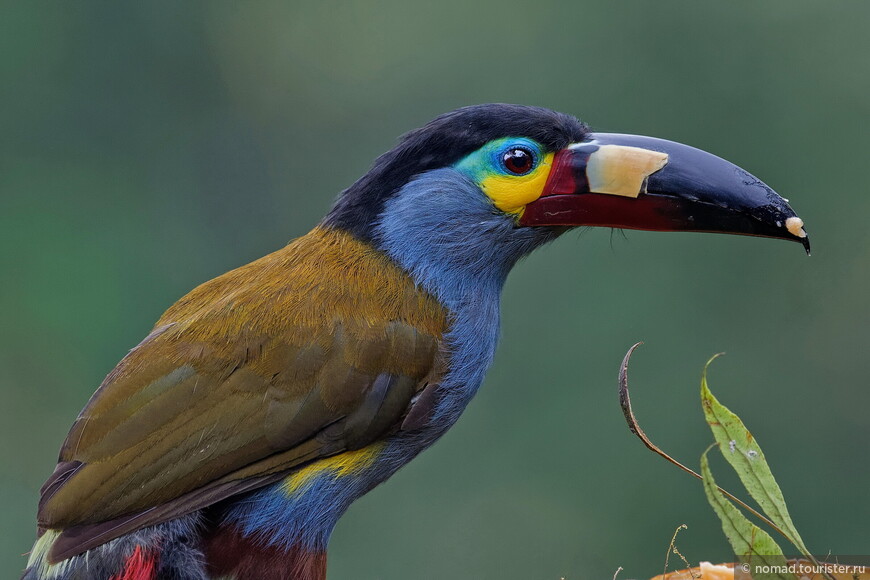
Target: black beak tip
806	243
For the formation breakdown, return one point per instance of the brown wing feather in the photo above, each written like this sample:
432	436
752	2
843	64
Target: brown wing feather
310	351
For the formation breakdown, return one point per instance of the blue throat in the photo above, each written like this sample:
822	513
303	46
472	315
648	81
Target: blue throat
444	231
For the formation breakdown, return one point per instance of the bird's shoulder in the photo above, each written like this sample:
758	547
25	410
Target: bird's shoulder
325	276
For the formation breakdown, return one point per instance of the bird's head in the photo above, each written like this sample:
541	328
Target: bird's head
481	186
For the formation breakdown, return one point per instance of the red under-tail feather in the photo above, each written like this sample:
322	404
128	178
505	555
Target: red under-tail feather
228	553
140	565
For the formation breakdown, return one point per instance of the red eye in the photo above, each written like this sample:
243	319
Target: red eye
518	160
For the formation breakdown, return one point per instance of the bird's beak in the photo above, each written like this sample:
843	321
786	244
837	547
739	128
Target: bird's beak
643	183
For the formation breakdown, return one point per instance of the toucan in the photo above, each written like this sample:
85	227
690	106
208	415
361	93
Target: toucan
228	443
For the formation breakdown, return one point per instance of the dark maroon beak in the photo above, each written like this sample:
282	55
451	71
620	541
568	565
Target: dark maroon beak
643	183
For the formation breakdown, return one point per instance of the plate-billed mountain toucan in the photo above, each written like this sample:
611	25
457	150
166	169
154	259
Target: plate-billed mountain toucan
229	442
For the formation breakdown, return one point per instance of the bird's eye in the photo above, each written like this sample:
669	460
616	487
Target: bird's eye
518	160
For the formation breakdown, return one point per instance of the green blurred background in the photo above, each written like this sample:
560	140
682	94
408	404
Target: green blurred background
147	147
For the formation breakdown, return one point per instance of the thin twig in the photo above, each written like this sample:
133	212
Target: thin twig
672	548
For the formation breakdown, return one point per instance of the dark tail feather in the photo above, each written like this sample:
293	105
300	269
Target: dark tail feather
167	551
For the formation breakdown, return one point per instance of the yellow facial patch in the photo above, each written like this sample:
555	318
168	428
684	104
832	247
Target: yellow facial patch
508	189
511	193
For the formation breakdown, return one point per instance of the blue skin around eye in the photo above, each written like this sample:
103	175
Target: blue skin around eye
487	160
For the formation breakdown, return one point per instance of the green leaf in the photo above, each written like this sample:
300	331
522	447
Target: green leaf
740	449
750	543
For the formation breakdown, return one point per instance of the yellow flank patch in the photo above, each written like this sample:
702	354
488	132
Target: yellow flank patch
511	193
347	463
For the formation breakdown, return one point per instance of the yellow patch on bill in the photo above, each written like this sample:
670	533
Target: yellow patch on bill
347	463
622	170
511	193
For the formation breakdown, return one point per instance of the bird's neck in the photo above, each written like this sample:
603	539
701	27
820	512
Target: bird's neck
451	240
